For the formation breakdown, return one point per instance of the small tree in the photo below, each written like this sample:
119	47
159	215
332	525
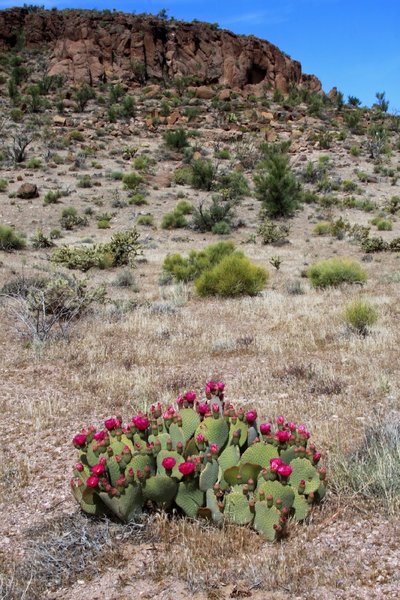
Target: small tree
20	141
276	186
382	103
83	95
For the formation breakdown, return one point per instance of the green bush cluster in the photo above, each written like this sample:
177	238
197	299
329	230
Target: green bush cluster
10	239
334	271
360	315
218	270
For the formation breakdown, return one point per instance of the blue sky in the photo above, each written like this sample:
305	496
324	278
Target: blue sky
353	44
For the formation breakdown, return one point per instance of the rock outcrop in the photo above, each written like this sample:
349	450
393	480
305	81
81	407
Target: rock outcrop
91	46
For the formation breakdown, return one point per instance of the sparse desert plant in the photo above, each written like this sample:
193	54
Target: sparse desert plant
10	239
176	139
233	276
209	213
132	181
83	95
183	175
272	232
323	228
360	315
146	220
34	163
121	250
50	308
334	271
3	185
225	468
174	220
137	199
373	470
203	174
39	240
70	218
21	139
52	197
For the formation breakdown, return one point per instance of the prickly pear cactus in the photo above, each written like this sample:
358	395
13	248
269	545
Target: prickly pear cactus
206	459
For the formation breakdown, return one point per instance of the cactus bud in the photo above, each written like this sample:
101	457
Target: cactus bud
270	500
240	414
322	473
215	410
261	495
79	467
251	485
245	489
280	421
179	448
310	497
92	482
214	449
252	504
236	437
251	416
316	457
302	486
79	440
278	503
98	470
169	444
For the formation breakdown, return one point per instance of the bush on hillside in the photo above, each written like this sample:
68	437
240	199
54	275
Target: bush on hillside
233	276
334	271
10	239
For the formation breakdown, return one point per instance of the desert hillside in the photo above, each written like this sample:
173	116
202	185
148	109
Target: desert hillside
124	142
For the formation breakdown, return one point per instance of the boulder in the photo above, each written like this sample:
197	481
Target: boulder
27	191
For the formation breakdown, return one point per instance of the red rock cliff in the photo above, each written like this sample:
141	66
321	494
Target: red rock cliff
90	46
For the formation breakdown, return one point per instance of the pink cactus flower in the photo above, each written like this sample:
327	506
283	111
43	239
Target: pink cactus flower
180	400
292	426
200	439
92	481
98	470
220	386
282	436
202	408
190	397
265	428
251	416
214	449
285	470
99	436
141	422
280	420
79	440
215	408
111	424
274	464
168	463
187	468
79	467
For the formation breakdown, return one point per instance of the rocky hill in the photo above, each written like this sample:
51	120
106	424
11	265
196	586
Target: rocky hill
90	46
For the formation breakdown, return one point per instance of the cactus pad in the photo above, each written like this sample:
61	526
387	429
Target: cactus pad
301	507
189	499
209	475
190	422
259	454
237	509
304	470
265	519
161	490
215	431
128	506
277	490
166	454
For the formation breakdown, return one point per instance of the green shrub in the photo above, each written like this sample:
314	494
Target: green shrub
276	187
176	139
384	225
322	228
124	279
83	95
355	150
334	271
141	163
70	218
85	182
187	269
173	220
137	200
233	276
116	175
360	315
223	154
34	163
132	181
221	228
233	185
209	213
76	136
103	223
183	176
52	197
146	220
203	174
273	233
10	239
3	185
184	207
374	244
